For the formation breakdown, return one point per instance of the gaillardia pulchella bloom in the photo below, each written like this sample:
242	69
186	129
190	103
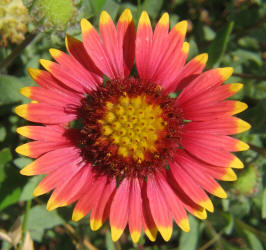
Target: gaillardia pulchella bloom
121	146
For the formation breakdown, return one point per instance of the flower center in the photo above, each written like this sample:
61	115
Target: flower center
134	125
130	127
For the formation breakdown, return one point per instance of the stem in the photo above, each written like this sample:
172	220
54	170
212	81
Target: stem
24	224
215	237
261	235
212	241
17	51
249	76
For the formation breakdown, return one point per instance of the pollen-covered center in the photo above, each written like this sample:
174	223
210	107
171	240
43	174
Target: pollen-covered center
129	127
133	124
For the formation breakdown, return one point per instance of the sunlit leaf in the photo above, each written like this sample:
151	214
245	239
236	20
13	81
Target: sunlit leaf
218	46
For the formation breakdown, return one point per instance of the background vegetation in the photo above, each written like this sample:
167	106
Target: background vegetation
232	32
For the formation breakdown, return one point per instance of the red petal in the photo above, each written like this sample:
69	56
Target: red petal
51	161
126	38
46	113
135	216
159	209
119	210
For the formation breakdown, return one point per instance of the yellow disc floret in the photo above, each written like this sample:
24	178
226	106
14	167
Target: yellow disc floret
133	125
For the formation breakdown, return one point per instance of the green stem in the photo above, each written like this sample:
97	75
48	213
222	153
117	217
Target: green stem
24	224
17	51
250	76
261	235
216	237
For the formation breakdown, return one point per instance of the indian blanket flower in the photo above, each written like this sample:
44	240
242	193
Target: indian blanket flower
121	146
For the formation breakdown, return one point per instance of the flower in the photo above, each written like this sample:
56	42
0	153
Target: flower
121	146
13	21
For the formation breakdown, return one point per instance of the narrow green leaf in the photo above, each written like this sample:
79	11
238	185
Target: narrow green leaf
218	46
254	242
263	208
190	240
108	241
2	133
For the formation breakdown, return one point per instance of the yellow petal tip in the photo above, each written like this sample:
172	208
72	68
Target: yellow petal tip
235	87
28	170
95	224
22	110
135	235
104	18
77	215
34	73
86	26
166	232
24	131
151	233
39	191
46	64
242	126
126	16
219	192
225	73
185	47
201	214
181	27
23	149
116	233
144	19
184	225
26	91
239	107
242	146
202	58
207	205
55	53
229	175
164	20
236	163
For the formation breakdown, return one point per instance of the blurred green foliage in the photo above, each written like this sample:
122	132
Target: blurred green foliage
234	34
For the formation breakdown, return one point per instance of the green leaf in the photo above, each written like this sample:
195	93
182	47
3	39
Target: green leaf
263	208
10	180
244	56
111	7
97	5
254	242
5	157
208	33
22	162
230	223
108	241
193	49
218	46
190	240
9	89
27	191
153	7
2	133
40	219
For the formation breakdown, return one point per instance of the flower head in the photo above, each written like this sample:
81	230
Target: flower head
122	148
13	21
